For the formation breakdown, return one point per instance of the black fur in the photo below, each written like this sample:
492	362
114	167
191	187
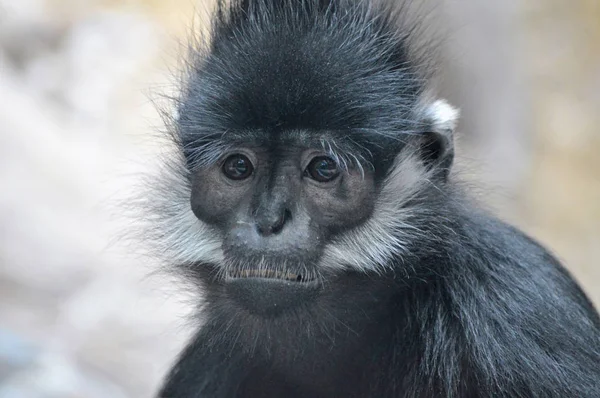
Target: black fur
297	64
471	308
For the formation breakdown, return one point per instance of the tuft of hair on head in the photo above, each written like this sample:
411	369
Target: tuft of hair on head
316	64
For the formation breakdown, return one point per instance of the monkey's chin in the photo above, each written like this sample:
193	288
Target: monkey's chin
271	297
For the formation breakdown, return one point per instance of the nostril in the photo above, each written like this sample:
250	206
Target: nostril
279	224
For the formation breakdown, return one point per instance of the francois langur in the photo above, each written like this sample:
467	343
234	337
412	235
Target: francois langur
310	201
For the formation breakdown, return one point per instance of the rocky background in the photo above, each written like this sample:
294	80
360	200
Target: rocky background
80	317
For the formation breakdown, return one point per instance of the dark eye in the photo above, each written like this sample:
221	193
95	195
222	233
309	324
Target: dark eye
237	167
322	169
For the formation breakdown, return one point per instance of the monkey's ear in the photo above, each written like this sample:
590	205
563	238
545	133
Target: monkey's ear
437	143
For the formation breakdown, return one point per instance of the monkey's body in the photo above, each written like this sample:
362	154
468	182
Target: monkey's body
336	256
493	315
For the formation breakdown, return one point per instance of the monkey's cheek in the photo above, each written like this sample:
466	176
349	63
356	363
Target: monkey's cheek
271	297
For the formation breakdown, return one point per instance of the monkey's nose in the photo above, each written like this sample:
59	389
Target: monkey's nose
271	224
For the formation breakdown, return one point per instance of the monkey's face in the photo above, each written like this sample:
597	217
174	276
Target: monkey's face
282	216
276	206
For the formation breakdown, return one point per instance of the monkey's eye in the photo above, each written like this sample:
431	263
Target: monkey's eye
322	169
237	167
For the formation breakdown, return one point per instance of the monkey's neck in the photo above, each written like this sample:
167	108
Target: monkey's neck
341	337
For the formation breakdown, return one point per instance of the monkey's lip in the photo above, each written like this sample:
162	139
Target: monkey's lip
268	274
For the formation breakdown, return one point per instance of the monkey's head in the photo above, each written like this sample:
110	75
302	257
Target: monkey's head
306	155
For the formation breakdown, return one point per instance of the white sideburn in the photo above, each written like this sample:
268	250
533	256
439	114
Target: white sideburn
391	227
180	237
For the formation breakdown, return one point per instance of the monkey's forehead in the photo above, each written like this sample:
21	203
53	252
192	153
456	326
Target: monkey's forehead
348	142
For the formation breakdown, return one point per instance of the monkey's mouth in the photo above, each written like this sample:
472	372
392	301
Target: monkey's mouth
268	274
270	293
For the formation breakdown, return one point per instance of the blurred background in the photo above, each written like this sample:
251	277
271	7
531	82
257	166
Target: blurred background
80	317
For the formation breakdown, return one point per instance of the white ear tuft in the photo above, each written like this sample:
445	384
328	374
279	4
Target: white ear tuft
443	116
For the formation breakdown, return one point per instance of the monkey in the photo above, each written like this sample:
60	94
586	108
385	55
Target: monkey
310	200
